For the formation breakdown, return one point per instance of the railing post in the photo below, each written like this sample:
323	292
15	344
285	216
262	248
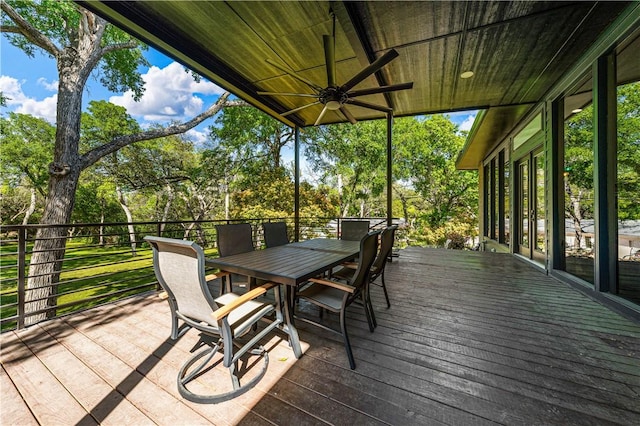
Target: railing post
22	260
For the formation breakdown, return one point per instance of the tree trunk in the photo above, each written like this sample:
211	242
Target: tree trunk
227	202
575	213
49	248
187	231
127	212
31	208
64	171
101	229
75	62
167	207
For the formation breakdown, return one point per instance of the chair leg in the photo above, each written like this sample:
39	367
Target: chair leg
368	310
187	374
347	345
384	288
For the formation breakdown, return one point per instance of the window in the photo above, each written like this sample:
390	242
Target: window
578	188
628	171
496	206
506	202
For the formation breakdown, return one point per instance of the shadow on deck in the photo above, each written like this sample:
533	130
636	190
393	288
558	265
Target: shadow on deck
470	338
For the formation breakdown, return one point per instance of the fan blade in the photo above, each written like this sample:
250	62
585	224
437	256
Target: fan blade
368	105
302	95
284	114
330	59
347	114
381	89
324	110
367	71
294	75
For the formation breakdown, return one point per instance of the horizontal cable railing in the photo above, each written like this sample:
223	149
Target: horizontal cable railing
107	262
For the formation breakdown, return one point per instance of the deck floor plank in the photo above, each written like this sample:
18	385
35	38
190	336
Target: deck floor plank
47	398
14	408
470	339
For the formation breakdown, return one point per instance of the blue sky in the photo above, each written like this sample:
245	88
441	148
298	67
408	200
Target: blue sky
170	95
30	84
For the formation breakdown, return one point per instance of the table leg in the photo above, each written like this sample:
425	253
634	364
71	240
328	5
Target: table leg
290	328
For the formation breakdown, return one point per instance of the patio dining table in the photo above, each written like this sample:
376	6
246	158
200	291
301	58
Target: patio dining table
290	265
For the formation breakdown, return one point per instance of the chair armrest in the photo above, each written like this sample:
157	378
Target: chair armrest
350	265
220	274
334	284
225	310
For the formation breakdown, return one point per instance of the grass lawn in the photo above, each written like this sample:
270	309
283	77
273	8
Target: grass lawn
90	276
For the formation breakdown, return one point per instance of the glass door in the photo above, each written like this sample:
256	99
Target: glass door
531	207
523	208
539	219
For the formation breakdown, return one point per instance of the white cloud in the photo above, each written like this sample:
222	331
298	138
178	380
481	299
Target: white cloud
169	95
12	89
467	123
16	99
198	137
51	87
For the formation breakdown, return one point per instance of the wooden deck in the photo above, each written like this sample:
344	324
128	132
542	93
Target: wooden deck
471	338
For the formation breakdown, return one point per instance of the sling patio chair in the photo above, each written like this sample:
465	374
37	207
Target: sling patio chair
234	239
226	324
353	230
387	238
275	234
336	297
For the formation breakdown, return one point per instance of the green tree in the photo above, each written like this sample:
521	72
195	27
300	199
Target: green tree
82	44
426	149
629	151
351	158
246	149
578	170
27	145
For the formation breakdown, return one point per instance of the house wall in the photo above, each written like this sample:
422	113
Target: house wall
596	264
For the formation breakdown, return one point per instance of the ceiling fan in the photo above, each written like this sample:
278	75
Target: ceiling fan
336	97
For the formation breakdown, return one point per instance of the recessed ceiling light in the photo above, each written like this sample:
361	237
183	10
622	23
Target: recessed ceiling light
577	110
466	74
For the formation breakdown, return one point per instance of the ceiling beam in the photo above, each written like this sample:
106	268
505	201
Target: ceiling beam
347	14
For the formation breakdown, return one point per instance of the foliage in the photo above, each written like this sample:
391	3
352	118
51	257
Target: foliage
60	22
578	165
425	155
628	151
579	158
27	145
252	140
352	159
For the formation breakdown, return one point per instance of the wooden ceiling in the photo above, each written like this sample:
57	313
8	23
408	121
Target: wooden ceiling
517	50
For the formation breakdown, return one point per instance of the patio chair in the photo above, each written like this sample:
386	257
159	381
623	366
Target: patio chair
179	267
353	230
234	239
387	238
275	234
336	297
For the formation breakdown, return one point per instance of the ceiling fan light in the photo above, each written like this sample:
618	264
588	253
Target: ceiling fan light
333	105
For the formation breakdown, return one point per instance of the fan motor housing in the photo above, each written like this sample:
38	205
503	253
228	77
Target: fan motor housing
332	94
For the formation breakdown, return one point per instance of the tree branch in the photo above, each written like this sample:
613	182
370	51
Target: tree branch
119	46
236	103
29	31
10	29
96	154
